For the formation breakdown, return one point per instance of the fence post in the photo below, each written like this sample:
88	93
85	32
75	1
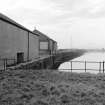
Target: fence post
103	66
53	59
71	66
4	64
85	66
99	67
42	65
14	61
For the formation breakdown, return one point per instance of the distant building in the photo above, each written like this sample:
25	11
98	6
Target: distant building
47	46
17	41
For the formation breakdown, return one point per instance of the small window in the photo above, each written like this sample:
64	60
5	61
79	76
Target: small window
44	45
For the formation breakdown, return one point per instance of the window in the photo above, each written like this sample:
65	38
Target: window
44	45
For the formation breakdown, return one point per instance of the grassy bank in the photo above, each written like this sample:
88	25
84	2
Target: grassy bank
45	87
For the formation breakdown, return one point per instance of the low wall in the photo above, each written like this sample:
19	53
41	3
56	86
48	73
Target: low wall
50	62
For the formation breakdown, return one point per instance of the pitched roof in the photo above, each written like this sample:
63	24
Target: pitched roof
42	35
7	19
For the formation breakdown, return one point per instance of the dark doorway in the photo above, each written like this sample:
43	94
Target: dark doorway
20	57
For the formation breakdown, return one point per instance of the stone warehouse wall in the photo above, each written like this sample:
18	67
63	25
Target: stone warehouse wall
14	39
33	46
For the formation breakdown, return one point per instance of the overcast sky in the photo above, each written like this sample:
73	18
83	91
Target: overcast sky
72	23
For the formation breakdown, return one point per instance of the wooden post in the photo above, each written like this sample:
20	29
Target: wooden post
85	66
103	66
99	67
71	66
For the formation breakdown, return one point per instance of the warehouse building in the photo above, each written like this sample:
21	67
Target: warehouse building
17	41
47	46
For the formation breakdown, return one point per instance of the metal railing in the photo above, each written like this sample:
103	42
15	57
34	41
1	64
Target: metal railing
82	66
85	66
5	63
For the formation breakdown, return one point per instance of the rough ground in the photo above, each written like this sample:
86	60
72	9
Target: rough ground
46	87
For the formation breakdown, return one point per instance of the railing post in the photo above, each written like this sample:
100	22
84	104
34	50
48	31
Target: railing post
5	63
85	66
99	67
14	61
53	59
4	60
71	66
42	65
103	66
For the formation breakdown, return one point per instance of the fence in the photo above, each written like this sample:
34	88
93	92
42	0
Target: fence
85	66
72	66
5	63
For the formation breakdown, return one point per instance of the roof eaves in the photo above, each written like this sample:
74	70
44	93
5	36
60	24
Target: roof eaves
6	19
40	33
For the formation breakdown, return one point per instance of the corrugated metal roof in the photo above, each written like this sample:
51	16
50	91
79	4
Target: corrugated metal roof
7	19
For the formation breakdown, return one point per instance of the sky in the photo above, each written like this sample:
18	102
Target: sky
72	23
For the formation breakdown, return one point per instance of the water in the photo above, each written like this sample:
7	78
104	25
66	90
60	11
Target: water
95	57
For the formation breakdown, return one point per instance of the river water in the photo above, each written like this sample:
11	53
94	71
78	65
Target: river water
92	63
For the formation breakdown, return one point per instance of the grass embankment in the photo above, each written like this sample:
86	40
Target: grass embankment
51	88
66	55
